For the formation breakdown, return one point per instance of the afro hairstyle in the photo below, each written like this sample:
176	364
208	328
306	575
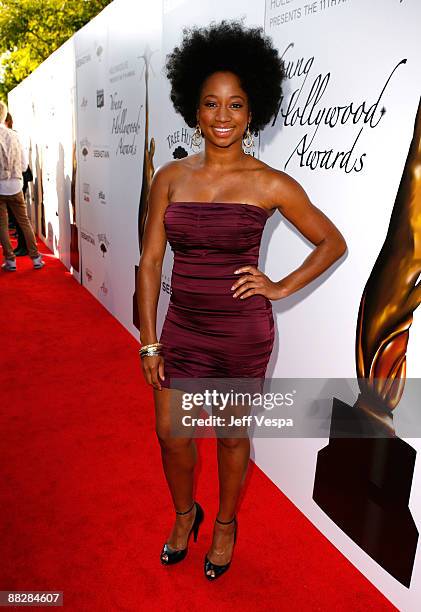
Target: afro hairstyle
226	46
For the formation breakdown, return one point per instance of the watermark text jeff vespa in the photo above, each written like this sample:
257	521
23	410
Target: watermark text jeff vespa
221	400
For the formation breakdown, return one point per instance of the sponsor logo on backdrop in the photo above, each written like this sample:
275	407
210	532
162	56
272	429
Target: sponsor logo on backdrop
101	197
126	125
101	153
84	103
87	236
89	275
305	107
180	137
85	192
104	244
99	98
180	142
179	153
84	59
307	11
166	284
84	148
120	71
99	50
103	290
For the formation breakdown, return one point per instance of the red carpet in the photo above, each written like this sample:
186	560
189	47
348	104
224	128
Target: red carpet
84	504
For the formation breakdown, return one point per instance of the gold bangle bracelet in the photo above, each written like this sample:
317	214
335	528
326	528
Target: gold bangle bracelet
146	346
150	347
150	354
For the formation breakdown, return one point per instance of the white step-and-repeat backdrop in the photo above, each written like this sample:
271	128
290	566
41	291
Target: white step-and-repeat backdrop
97	120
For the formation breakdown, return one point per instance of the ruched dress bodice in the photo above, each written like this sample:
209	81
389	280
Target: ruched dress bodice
207	332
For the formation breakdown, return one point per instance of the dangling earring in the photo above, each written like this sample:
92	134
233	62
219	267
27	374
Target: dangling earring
196	139
248	142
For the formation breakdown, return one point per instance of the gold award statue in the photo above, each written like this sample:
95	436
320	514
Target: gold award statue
147	175
391	295
364	476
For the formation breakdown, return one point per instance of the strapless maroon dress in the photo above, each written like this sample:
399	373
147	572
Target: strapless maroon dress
207	333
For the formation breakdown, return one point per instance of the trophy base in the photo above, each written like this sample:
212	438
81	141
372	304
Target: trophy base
74	247
363	485
136	321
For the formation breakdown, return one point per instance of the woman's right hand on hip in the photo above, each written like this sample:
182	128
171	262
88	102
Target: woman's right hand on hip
153	370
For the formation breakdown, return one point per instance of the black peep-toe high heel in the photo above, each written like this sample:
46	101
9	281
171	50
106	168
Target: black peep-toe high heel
213	571
170	556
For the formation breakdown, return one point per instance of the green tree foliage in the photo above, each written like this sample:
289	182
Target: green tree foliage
30	30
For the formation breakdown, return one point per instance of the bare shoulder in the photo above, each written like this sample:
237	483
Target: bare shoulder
282	189
175	169
278	179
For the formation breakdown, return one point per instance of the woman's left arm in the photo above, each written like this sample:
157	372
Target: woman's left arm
311	223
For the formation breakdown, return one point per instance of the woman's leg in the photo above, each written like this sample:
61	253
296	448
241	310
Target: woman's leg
233	459
179	457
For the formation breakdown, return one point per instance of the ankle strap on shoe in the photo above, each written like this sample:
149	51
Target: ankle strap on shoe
187	511
225	522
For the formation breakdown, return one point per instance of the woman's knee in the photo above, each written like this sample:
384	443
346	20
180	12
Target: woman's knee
169	442
233	443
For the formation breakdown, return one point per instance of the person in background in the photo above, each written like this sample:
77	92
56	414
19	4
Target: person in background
13	161
20	249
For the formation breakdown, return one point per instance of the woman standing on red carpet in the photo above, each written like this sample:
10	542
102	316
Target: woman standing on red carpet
212	208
